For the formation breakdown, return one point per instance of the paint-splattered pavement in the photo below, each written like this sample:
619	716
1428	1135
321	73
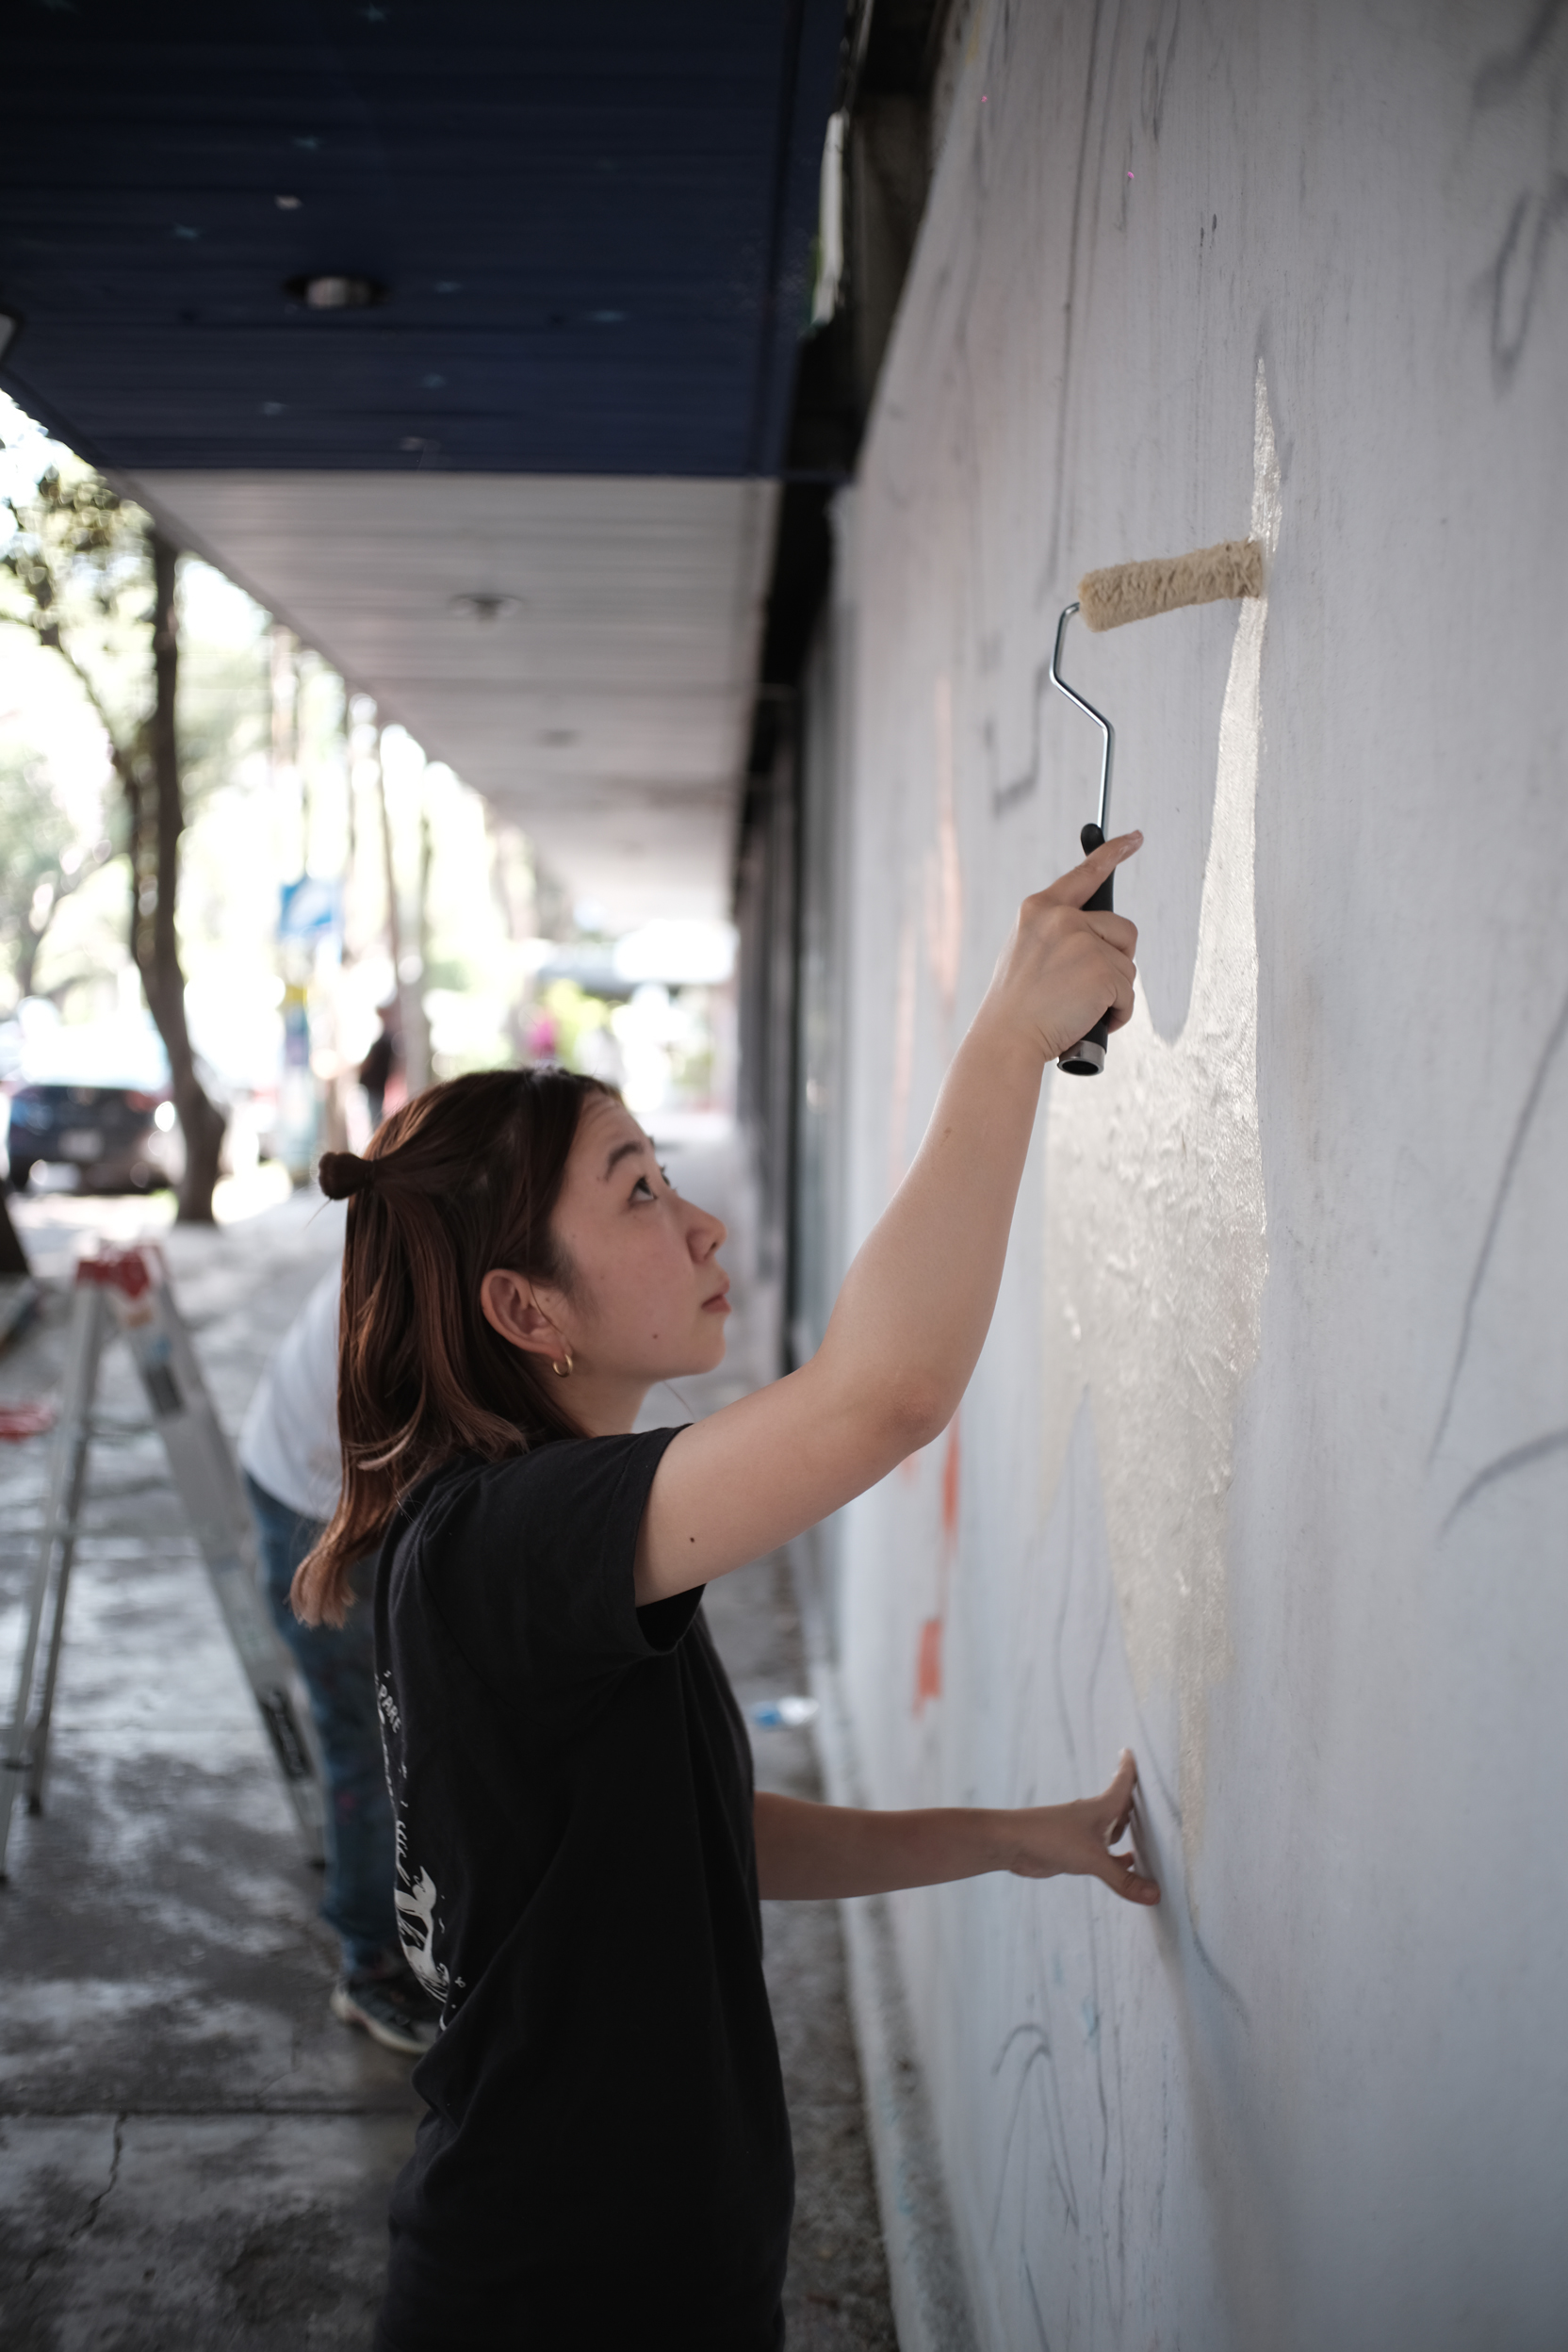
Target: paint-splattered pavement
193	2152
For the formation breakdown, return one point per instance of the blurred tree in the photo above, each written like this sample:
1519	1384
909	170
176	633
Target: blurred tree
41	862
95	580
577	1015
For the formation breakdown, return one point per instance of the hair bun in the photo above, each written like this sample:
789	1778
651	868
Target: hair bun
341	1174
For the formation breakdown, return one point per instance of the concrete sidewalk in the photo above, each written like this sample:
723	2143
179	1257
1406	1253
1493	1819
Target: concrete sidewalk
194	2153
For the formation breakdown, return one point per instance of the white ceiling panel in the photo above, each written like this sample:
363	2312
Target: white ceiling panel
606	703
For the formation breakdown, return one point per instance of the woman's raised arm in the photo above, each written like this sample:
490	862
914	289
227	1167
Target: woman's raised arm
917	1302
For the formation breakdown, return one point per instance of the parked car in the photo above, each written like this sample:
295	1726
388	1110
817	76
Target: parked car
96	1097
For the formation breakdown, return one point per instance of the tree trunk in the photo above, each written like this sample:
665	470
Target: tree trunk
416	1029
413	1029
156	831
28	947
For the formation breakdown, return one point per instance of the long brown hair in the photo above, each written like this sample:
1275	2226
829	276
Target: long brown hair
462	1179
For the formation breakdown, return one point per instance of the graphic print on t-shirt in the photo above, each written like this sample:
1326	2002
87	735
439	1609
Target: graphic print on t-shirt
392	1724
416	1894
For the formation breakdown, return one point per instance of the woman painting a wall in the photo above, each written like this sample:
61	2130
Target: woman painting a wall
606	2157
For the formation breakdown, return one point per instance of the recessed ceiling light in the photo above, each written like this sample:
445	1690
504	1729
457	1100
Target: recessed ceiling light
329	292
484	604
286	203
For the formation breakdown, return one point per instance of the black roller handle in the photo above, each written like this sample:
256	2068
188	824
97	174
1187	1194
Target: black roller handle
1086	1059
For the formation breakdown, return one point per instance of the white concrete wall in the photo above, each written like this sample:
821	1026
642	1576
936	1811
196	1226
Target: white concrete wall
1265	1466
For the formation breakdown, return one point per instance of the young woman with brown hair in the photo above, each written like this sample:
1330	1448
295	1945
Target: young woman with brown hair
606	2159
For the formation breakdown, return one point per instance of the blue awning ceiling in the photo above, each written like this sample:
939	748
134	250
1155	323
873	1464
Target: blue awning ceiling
592	223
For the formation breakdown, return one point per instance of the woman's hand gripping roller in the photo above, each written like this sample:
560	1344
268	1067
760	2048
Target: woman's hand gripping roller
1133	592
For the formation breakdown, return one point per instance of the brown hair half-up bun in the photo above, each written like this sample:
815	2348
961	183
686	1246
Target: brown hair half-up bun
464	1178
341	1174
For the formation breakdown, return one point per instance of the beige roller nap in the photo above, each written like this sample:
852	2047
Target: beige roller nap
1133	592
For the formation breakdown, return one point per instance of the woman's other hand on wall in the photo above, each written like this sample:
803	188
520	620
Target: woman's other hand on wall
811	1851
1077	1841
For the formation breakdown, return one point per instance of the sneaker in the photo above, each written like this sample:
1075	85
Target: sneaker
390	2004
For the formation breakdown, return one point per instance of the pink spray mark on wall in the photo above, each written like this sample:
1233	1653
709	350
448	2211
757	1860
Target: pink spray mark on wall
944	890
903	1057
928	1658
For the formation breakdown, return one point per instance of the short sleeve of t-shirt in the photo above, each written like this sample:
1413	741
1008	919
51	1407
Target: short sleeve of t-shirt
528	1563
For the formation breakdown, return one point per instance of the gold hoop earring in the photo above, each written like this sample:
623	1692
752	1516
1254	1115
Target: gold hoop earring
563	1371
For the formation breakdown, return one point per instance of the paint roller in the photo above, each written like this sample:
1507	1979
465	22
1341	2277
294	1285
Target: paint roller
1108	599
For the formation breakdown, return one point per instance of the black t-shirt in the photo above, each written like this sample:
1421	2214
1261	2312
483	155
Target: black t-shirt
605	2161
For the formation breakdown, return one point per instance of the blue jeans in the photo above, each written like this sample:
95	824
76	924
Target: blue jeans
339	1671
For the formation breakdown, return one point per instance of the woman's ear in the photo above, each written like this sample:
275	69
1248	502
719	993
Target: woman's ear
511	1307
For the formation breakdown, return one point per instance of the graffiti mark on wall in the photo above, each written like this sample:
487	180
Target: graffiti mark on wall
1525	89
928	1655
903	1059
1500	1416
944	894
